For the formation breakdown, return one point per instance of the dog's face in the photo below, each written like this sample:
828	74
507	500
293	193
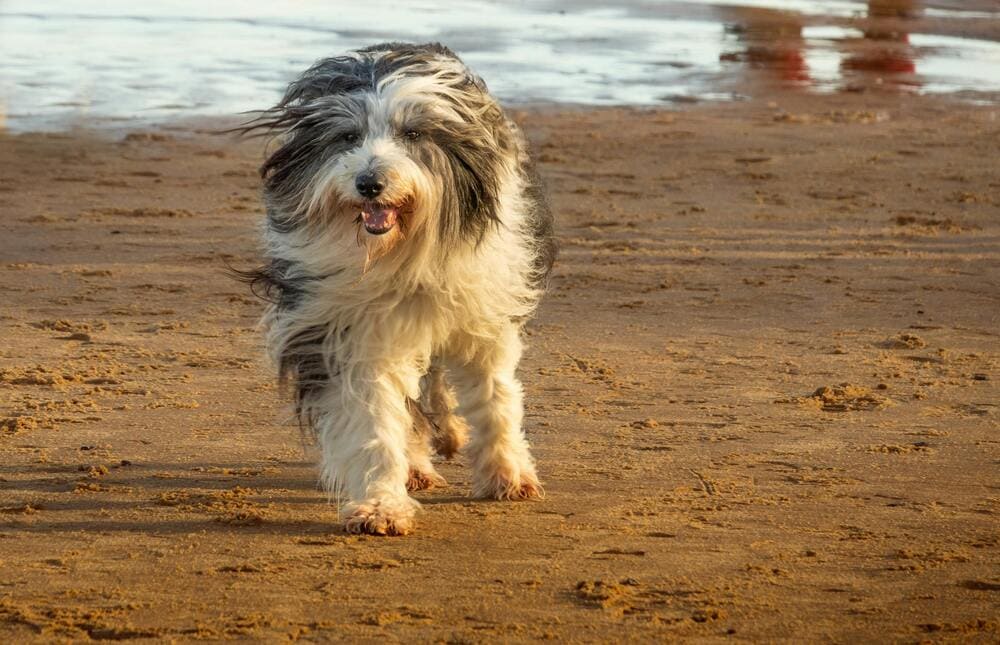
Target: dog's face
394	141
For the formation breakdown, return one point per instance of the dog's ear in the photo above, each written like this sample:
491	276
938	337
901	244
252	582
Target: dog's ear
309	121
328	77
477	151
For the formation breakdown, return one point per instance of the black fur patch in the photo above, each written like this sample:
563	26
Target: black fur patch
301	365
542	225
303	368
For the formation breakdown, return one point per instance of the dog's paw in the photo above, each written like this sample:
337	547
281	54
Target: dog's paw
424	480
505	485
377	517
451	437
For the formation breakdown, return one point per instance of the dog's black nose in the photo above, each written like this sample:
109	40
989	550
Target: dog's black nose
369	185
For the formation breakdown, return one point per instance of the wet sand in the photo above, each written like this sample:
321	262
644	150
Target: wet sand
762	392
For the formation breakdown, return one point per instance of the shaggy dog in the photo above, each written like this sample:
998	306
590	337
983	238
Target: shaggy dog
407	242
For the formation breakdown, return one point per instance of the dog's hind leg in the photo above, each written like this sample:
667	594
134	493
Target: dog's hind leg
450	430
418	451
490	398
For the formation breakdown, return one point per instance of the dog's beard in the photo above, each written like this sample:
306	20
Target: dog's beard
380	225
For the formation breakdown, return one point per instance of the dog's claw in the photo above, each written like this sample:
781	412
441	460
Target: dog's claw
377	518
513	492
527	490
506	488
420	480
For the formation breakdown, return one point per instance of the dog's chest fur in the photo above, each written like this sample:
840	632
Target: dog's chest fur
429	303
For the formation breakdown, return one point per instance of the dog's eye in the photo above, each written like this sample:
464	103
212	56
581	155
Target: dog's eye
349	137
412	135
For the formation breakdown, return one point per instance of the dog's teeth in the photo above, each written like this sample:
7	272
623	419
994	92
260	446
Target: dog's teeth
379	218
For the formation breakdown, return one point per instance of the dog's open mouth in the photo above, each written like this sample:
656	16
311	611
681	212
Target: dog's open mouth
379	219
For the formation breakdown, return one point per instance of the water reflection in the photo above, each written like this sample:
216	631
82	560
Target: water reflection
888	52
116	62
781	46
772	42
894	9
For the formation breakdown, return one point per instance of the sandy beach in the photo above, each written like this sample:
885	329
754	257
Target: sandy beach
762	392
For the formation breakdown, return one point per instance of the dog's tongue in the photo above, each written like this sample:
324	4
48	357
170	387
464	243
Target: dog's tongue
378	219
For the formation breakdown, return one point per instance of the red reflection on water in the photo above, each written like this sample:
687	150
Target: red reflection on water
891	53
772	42
886	61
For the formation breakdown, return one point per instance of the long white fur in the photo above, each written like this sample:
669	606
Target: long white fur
410	307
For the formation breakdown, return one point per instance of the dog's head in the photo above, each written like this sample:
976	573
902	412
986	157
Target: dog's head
398	140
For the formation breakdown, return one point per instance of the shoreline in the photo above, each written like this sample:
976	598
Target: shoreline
624	53
759	96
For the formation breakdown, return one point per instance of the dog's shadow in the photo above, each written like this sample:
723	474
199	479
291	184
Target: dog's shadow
447	498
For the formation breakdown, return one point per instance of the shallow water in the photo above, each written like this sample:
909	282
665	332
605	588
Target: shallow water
68	63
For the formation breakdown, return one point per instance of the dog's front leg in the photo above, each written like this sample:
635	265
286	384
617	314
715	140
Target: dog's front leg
490	398
364	441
